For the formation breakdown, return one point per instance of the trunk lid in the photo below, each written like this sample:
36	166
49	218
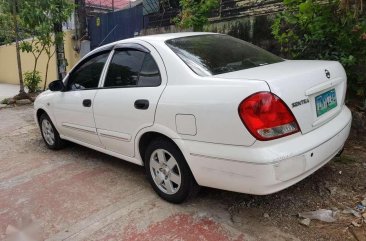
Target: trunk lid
313	90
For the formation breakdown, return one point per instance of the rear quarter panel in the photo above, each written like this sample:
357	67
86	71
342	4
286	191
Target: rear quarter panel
212	101
214	104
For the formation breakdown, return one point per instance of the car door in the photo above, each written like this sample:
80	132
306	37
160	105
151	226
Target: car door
73	107
126	103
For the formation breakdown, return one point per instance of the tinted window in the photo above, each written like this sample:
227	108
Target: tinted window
87	75
216	54
124	68
149	75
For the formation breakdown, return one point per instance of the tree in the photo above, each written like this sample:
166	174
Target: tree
35	47
15	7
9	16
42	16
50	50
194	13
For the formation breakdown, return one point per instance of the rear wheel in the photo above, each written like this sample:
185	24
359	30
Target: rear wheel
49	133
168	172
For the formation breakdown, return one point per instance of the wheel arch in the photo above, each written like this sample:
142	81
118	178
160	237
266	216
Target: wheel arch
147	138
39	112
147	135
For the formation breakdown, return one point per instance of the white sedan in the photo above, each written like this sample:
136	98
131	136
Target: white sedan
201	109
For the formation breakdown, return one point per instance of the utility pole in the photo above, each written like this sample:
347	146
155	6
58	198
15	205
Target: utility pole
60	50
113	5
80	18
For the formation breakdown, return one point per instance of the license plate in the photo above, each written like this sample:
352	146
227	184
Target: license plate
325	102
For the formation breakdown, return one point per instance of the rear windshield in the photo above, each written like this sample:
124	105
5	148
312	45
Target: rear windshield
216	54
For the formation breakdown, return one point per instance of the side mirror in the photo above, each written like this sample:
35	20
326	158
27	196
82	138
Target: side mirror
56	85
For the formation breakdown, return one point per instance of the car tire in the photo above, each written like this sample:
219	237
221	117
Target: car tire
49	133
168	171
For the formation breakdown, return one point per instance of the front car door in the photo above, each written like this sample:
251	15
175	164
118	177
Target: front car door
73	107
128	99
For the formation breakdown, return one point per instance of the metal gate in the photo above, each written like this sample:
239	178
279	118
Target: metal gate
110	27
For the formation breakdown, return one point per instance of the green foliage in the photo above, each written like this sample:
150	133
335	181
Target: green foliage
310	29
35	47
32	80
7	26
41	16
194	13
35	19
4	101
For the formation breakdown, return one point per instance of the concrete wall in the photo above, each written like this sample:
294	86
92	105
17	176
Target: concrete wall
249	20
254	29
8	62
72	56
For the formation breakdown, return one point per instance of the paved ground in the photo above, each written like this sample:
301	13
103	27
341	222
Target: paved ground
8	90
80	194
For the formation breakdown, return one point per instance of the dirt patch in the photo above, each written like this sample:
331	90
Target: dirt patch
337	186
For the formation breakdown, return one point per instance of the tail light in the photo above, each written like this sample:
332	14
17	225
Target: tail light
267	117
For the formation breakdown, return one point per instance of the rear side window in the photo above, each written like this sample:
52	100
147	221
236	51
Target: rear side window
87	75
132	68
149	75
214	54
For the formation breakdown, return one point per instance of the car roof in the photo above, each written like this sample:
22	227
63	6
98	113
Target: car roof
148	38
167	36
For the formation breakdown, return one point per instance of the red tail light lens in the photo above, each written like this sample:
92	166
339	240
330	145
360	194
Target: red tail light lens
267	117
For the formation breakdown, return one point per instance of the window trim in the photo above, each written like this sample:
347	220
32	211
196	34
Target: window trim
105	70
83	61
134	46
126	46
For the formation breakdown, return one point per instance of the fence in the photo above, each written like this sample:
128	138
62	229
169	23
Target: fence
113	26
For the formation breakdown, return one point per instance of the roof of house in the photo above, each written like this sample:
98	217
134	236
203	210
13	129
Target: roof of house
118	4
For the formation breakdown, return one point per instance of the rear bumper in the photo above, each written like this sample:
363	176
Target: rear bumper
267	167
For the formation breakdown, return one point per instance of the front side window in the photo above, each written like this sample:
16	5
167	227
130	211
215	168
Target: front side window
130	67
214	54
124	68
87	75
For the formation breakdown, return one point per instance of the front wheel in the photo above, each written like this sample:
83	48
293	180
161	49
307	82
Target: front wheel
168	171
49	133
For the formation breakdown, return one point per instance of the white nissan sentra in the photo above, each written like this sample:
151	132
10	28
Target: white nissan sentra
201	109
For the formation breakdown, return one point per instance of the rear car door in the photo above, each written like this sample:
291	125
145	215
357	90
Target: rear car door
73	107
133	84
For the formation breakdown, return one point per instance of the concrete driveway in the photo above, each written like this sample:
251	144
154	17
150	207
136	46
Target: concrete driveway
8	90
80	194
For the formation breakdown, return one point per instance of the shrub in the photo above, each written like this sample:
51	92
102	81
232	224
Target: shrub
310	29
31	80
194	13
4	101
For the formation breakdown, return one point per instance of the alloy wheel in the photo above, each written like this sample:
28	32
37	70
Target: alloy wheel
165	171
48	132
